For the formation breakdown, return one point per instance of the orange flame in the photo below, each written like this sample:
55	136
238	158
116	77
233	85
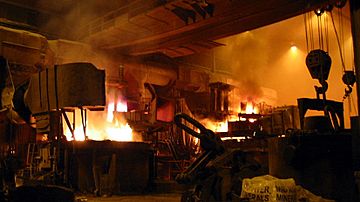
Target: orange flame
121	106
102	125
222	126
218	126
215	126
120	128
249	109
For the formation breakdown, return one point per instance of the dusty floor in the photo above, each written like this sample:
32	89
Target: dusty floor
133	198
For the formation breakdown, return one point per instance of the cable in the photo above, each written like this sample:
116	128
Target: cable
318	31
306	33
338	42
311	32
320	35
342	38
327	33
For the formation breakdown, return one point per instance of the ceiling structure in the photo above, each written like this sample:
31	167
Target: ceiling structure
141	27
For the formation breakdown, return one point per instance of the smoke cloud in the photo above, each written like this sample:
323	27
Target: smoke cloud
70	18
264	58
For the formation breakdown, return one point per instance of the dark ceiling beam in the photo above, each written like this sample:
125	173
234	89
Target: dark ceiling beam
28	7
243	18
18	17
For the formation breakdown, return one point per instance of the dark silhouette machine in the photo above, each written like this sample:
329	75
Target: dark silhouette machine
218	171
319	156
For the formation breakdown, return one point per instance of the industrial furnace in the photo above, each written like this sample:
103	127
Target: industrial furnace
101	119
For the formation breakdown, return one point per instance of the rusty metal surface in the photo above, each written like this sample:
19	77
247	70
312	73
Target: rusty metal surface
73	84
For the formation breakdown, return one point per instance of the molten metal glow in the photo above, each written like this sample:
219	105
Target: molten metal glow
242	119
233	138
110	110
121	106
120	132
222	126
252	120
216	126
102	125
251	109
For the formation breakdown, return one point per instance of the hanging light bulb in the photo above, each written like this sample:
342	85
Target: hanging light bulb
293	48
319	11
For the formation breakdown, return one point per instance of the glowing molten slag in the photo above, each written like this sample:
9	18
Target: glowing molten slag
102	125
120	132
222	126
216	126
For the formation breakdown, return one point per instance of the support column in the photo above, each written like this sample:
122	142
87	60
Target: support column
355	121
226	100
218	100
355	24
212	99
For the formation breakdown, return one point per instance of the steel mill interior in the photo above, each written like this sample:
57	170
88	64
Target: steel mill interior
179	100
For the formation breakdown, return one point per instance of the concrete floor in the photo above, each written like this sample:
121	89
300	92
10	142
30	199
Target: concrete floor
132	198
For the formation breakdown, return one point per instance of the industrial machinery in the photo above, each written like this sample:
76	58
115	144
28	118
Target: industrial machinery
218	172
313	150
319	155
51	152
39	156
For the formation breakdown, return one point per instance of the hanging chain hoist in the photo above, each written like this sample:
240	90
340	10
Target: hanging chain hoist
318	60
